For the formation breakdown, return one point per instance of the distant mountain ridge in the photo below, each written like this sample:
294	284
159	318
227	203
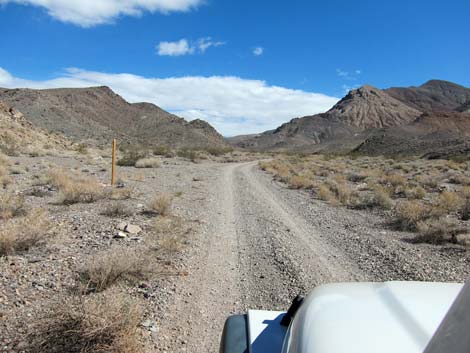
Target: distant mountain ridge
98	113
373	120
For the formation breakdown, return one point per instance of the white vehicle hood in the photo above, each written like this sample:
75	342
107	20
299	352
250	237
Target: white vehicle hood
369	317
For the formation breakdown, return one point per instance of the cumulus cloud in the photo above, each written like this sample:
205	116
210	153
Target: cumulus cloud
231	104
178	48
184	47
88	13
258	51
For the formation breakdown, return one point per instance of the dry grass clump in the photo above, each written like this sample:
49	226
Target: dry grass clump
21	234
76	189
415	193
147	163
11	205
300	182
171	234
394	180
438	231
409	214
160	204
447	202
326	194
123	193
95	324
107	268
117	209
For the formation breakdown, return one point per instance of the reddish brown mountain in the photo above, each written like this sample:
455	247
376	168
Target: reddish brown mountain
433	96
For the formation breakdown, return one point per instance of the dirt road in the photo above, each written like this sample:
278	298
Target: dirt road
263	244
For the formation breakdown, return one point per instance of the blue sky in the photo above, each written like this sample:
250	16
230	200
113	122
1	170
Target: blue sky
245	66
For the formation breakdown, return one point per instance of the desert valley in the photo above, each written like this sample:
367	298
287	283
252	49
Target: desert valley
199	226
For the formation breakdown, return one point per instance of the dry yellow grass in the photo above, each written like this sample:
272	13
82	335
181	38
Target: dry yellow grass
76	189
105	323
447	202
438	230
11	205
160	204
409	214
300	182
171	234
21	234
107	268
147	163
325	194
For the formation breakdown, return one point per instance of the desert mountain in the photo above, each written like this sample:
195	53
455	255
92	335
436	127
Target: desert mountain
433	96
368	107
99	114
438	134
369	120
19	136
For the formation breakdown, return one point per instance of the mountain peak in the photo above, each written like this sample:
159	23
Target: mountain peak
369	107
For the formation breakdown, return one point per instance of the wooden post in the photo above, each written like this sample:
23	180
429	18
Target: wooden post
113	168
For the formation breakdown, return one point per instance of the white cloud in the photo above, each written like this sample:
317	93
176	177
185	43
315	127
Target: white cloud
231	104
205	43
184	47
178	48
88	13
348	75
258	51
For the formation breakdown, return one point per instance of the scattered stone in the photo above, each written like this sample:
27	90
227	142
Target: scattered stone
120	235
132	229
121	226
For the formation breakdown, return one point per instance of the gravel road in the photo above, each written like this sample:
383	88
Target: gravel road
261	244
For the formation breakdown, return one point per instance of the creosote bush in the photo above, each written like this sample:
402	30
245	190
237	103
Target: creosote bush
21	234
107	268
94	324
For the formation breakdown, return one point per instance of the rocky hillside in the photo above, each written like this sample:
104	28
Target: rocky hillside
19	136
397	120
433	96
368	107
99	114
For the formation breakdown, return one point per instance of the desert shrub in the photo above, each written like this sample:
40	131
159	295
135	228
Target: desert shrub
447	202
21	234
300	182
170	233
130	158
109	267
394	179
382	197
415	193
117	209
188	154
147	163
437	231
460	179
218	151
95	324
161	151
123	193
160	204
76	189
11	205
325	194
409	214
356	178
